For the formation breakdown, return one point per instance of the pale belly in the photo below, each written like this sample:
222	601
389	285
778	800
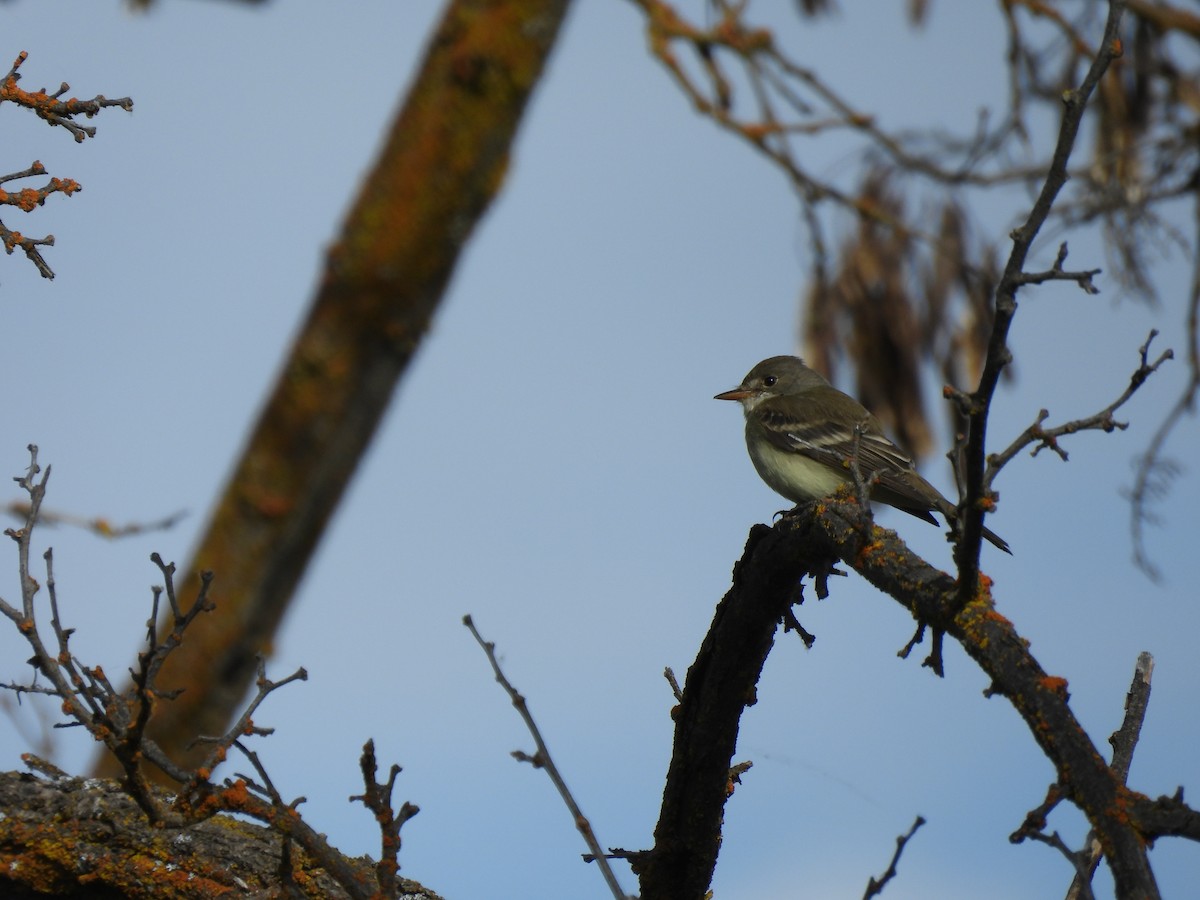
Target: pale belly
794	476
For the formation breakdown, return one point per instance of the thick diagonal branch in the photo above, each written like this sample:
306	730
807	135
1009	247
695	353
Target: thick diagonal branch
440	168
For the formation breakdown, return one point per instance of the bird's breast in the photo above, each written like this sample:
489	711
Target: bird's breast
792	474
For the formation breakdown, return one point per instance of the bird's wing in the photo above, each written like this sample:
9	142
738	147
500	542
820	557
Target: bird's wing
899	483
818	433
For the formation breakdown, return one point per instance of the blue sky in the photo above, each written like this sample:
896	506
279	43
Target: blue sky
553	462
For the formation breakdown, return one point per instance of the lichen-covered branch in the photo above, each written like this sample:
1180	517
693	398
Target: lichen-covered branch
52	108
117	720
721	683
82	838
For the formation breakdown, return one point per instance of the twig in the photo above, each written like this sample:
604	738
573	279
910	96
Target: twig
52	109
542	760
57	112
1035	819
97	525
1124	741
875	888
1154	472
1054	839
1047	438
1057	273
977	495
377	797
669	674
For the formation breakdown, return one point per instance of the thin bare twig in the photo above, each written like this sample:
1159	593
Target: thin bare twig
98	525
669	674
1124	741
1047	438
1057	273
875	888
543	760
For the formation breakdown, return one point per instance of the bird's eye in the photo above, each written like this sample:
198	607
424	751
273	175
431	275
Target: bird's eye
770	380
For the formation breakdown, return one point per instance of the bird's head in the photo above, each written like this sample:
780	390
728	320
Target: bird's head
774	377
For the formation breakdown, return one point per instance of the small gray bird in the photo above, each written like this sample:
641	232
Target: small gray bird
792	411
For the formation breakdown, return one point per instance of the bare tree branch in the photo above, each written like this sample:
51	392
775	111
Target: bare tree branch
875	887
1124	741
57	112
1047	438
543	760
117	720
978	499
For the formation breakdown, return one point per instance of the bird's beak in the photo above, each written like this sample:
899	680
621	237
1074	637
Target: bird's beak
738	393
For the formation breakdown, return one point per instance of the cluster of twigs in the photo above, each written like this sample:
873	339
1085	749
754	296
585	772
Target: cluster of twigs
57	111
118	719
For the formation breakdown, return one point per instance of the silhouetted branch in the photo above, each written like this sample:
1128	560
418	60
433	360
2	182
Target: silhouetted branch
875	888
720	684
1057	273
543	760
1124	741
992	641
978	498
1047	438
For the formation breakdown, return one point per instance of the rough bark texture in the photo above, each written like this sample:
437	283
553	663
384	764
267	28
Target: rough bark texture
84	838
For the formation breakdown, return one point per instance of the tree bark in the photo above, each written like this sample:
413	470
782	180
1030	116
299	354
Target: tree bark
441	167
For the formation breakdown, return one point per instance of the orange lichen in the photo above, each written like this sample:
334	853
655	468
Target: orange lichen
236	794
66	186
870	549
992	616
1055	685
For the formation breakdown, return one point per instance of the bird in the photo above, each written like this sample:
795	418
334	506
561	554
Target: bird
800	430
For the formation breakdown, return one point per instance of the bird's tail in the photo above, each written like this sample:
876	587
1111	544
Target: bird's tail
997	540
950	511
